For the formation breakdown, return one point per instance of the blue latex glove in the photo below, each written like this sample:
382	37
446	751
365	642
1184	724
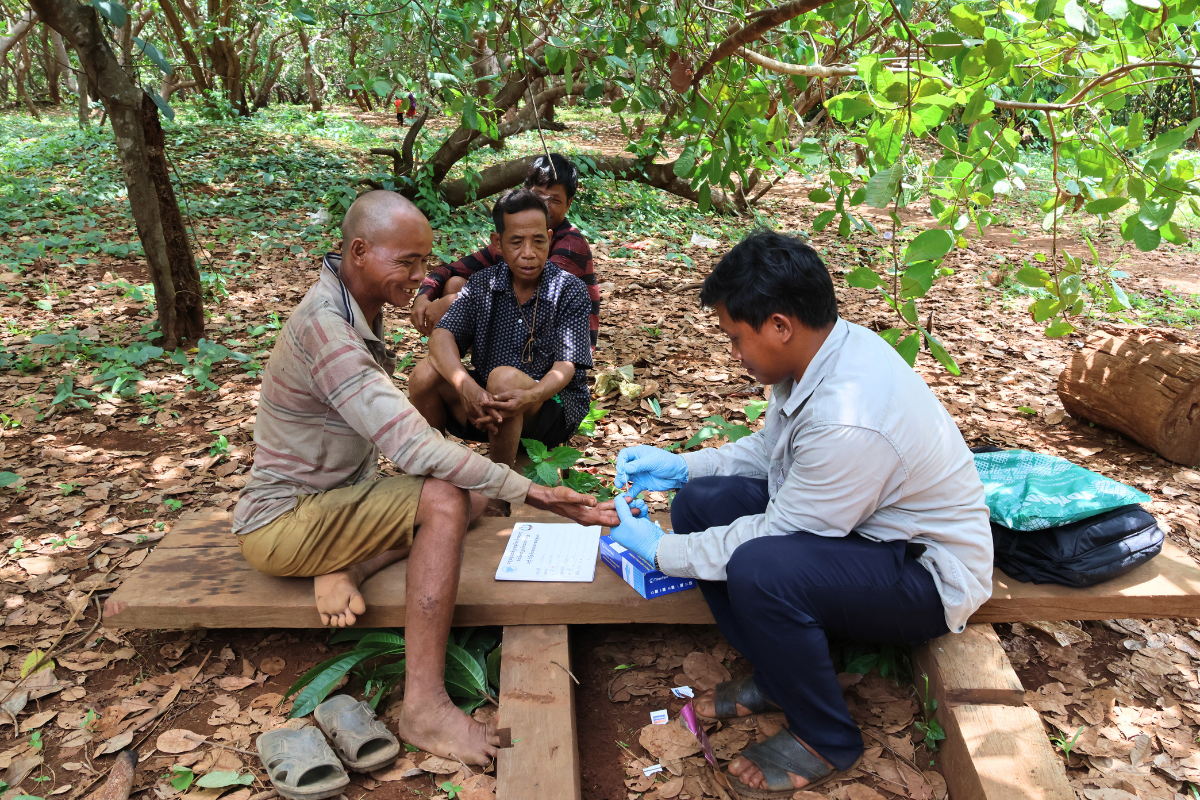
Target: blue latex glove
639	533
646	468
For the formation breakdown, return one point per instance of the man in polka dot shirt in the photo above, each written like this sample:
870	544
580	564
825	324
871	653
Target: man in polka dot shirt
525	323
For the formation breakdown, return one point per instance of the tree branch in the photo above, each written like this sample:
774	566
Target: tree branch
763	22
807	70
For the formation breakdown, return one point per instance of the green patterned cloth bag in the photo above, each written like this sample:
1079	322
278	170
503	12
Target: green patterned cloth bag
1032	491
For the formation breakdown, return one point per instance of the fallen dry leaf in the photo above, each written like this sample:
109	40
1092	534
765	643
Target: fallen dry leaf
669	742
272	665
178	740
440	766
232	684
38	720
403	768
704	671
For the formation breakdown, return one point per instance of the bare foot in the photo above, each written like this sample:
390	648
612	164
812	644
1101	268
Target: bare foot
442	729
706	705
338	600
748	772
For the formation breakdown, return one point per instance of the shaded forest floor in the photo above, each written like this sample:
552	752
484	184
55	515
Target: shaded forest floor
113	441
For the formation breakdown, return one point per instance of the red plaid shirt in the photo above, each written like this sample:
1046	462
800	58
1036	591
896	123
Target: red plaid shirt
568	250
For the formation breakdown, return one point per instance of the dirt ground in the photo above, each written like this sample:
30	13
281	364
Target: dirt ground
99	487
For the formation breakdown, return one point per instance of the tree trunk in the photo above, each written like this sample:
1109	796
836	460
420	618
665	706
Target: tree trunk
51	67
22	71
310	79
85	108
1144	384
139	141
63	60
185	44
16	31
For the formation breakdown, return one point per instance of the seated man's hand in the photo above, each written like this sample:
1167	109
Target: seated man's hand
639	533
419	314
646	468
571	504
513	403
475	402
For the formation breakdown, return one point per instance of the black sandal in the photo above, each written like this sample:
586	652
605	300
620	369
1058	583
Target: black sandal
779	755
745	692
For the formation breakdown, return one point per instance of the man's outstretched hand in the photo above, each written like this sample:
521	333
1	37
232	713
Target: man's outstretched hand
571	504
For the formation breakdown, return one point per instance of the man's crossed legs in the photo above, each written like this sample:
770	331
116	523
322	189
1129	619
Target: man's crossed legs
341	537
785	595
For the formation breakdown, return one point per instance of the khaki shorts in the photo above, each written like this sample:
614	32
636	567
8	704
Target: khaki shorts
334	530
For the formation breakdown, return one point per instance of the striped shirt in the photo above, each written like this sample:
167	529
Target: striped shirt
568	250
328	407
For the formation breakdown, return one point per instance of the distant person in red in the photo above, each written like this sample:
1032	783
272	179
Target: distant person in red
412	106
554	179
399	113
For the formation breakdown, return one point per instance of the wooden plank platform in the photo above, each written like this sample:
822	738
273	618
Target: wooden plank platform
197	578
996	748
537	703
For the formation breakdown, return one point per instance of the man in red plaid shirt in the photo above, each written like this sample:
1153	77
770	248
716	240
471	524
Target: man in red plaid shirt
554	179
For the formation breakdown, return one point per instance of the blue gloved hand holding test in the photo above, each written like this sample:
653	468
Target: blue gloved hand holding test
646	468
639	533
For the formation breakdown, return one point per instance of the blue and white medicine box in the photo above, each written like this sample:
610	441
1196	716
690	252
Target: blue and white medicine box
639	573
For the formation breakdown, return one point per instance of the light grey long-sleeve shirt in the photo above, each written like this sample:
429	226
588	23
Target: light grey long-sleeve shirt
859	444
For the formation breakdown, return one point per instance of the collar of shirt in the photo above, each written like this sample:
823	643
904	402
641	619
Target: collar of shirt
331	282
502	280
793	394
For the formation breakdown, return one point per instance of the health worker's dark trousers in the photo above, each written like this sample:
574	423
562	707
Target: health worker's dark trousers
784	595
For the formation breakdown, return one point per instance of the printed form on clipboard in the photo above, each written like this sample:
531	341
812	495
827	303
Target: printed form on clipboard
542	551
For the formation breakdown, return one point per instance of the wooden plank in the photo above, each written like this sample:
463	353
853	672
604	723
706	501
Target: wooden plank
969	667
996	752
195	577
537	702
995	748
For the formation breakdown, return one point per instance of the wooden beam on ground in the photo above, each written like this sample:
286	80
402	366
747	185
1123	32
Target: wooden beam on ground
537	704
996	748
196	577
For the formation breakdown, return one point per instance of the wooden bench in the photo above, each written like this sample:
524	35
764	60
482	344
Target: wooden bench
996	747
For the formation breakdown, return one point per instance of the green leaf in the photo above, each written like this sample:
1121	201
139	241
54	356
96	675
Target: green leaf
819	196
155	56
319	681
8	479
1146	239
563	457
493	668
849	106
939	352
686	163
1033	276
884	184
909	347
1116	9
304	15
865	278
182	777
1170	141
1105	205
1058	328
917	280
1080	21
755	408
547	474
465	678
929	246
45	338
536	450
219	780
823	219
1044	10
112	11
967	21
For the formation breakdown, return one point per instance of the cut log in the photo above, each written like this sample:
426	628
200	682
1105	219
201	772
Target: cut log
1144	384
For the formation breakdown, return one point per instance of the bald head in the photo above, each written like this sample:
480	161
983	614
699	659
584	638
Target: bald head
375	215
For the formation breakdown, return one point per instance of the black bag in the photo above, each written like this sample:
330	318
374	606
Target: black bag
1082	553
